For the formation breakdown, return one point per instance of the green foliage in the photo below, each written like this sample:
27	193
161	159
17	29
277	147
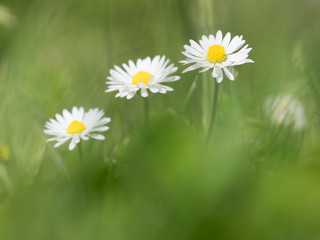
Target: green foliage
157	180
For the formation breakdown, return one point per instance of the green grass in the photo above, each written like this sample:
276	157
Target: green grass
157	181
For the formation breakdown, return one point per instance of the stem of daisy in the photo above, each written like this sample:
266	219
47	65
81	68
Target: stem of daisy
214	110
146	110
82	168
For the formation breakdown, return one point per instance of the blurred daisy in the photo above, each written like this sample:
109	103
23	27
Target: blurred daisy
145	75
77	125
217	53
4	152
285	110
7	19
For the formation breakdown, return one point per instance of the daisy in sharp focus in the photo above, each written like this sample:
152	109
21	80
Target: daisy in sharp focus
77	125
217	53
145	74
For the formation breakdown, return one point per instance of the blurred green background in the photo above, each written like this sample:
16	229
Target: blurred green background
257	180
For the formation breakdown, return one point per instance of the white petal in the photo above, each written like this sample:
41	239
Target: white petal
84	137
131	95
220	75
81	113
193	67
154	89
144	92
193	51
162	90
219	79
101	129
204	45
171	79
132	66
97	136
67	116
59	143
215	72
197	46
104	121
226	40
211	39
74	112
60	119
234	45
124	93
242	62
228	73
72	145
219	38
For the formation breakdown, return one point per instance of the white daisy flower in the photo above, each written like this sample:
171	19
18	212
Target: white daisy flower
285	110
76	125
217	53
145	74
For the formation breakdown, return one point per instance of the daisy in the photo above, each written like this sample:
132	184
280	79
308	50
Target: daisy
285	110
217	53
4	152
76	125
145	75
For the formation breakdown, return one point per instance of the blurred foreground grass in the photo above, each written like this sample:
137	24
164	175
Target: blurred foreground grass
257	180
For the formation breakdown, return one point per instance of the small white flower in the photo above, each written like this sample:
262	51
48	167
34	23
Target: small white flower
217	53
145	74
76	125
284	110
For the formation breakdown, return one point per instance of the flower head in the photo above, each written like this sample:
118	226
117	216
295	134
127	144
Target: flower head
4	152
145	75
285	110
217	53
76	125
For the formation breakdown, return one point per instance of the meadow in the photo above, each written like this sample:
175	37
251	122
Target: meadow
257	178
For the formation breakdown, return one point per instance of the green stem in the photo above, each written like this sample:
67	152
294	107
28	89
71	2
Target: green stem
214	110
82	170
80	153
146	109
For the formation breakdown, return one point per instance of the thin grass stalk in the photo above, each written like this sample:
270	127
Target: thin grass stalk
189	94
213	113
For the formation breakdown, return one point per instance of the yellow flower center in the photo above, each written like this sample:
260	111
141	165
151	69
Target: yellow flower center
141	76
76	127
216	54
